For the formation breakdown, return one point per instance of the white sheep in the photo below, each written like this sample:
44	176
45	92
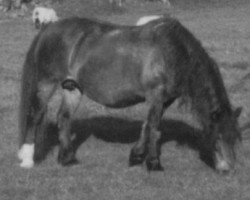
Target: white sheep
42	16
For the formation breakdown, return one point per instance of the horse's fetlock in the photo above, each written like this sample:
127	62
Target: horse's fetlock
153	164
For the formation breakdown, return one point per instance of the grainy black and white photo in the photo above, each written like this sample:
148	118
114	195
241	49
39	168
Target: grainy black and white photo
124	99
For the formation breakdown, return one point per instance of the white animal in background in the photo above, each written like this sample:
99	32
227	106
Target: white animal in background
145	19
42	16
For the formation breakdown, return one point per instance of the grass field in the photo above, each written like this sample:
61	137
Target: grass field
103	172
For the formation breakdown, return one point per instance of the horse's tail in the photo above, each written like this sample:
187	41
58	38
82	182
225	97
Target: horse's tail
28	91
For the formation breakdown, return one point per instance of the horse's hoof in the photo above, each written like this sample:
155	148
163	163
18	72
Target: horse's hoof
27	164
136	159
66	158
154	165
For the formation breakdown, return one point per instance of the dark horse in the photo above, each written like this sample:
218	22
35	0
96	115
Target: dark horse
119	66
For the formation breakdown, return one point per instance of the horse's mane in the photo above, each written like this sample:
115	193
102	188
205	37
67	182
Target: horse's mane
203	84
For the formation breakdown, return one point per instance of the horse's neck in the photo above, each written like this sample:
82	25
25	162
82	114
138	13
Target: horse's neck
215	102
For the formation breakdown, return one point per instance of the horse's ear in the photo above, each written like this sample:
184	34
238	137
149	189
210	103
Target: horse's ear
237	112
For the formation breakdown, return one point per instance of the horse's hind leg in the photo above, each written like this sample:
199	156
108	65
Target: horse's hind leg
71	99
32	144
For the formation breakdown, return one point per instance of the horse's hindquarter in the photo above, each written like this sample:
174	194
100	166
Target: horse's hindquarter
54	50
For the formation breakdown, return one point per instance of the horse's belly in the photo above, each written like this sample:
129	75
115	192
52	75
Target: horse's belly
115	95
121	99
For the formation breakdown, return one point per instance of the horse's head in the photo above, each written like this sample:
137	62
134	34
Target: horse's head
227	138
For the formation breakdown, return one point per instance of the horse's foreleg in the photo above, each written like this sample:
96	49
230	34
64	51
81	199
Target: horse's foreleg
158	104
71	99
148	144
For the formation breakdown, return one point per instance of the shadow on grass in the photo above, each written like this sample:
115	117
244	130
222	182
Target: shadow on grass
117	130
